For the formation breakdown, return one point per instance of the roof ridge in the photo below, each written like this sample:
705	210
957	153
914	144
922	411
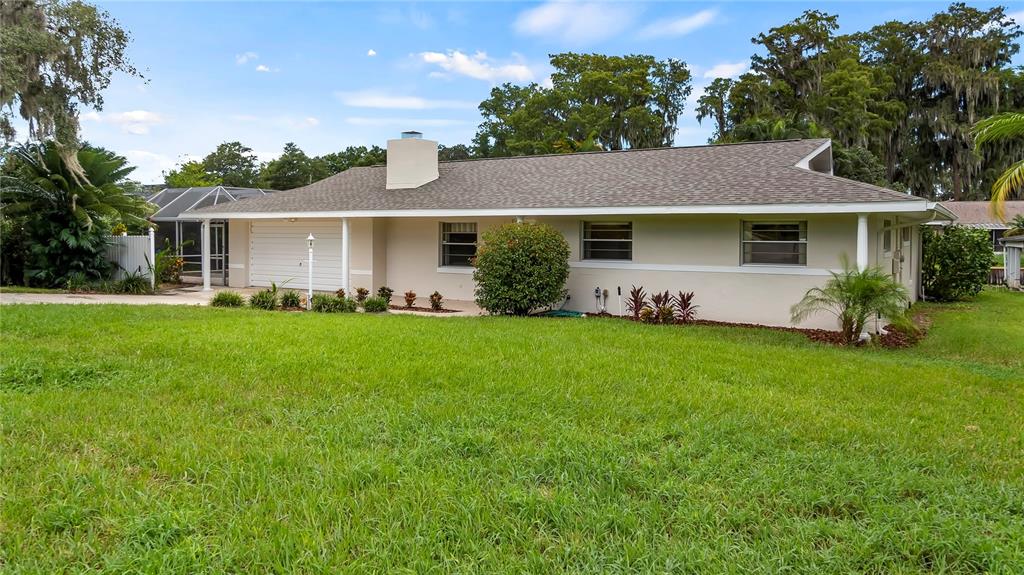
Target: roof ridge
627	150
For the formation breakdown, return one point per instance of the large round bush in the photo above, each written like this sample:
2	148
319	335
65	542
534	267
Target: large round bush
956	262
521	267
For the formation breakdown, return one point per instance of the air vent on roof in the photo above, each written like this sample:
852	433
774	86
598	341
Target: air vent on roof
412	135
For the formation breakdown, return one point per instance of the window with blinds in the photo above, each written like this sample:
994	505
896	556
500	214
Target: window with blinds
775	243
608	240
458	244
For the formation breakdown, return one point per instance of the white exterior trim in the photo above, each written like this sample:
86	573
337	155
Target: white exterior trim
805	162
744	269
455	270
909	206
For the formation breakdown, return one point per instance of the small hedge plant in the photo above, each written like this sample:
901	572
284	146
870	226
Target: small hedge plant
326	303
386	293
361	294
956	262
521	267
375	305
264	299
291	299
227	298
410	298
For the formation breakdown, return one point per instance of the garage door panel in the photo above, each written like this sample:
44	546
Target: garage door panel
278	252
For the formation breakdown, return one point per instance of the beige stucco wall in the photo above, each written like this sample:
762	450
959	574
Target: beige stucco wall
699	253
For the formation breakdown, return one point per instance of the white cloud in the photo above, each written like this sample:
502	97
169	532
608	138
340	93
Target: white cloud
575	22
727	69
371	52
245	57
379	99
262	68
308	122
149	166
478	66
413	122
137	122
673	27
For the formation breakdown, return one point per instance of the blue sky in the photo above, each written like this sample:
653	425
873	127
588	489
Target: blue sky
330	75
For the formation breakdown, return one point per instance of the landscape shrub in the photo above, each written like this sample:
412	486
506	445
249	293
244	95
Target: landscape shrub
854	296
636	301
169	264
326	303
956	262
435	300
119	229
227	298
291	299
340	293
76	282
686	311
361	294
264	299
521	267
386	293
375	305
134	283
410	298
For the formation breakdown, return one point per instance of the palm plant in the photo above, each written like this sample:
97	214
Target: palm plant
853	296
1016	226
65	221
1000	128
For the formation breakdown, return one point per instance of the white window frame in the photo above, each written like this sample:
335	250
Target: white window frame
584	240
744	241
442	243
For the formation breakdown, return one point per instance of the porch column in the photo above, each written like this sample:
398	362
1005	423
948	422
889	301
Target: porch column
206	254
346	249
862	242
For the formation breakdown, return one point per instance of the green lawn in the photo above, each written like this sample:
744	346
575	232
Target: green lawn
185	440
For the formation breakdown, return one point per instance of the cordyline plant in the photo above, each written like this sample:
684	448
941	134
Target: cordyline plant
853	296
686	311
636	302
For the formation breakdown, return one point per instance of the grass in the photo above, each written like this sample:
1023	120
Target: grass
187	440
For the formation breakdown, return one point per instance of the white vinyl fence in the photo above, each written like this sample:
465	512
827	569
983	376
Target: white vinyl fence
130	254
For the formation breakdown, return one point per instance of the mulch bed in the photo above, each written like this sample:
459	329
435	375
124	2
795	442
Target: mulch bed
423	309
894	338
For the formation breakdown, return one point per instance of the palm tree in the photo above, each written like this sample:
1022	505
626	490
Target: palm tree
64	220
854	296
1000	128
44	183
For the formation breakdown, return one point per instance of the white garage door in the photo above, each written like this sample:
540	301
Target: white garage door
278	252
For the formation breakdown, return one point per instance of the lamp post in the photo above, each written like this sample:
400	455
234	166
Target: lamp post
309	286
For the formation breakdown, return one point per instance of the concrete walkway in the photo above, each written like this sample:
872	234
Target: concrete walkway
193	295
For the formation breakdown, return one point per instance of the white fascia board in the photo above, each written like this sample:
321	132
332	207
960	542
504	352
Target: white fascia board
908	206
805	162
941	210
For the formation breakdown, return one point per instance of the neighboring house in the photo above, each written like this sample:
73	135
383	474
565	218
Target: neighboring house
979	215
748	227
185	234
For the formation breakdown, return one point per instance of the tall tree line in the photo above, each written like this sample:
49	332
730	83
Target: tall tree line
898	100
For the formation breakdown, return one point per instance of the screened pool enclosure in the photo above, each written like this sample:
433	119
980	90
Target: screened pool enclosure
186	234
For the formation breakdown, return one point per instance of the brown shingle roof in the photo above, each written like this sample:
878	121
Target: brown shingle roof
979	215
736	174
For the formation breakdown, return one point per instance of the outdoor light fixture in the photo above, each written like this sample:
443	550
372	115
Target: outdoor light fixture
309	286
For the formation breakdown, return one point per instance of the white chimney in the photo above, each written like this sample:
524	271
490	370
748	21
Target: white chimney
412	161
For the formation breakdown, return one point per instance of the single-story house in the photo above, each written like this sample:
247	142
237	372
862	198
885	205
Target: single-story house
748	227
184	233
978	215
